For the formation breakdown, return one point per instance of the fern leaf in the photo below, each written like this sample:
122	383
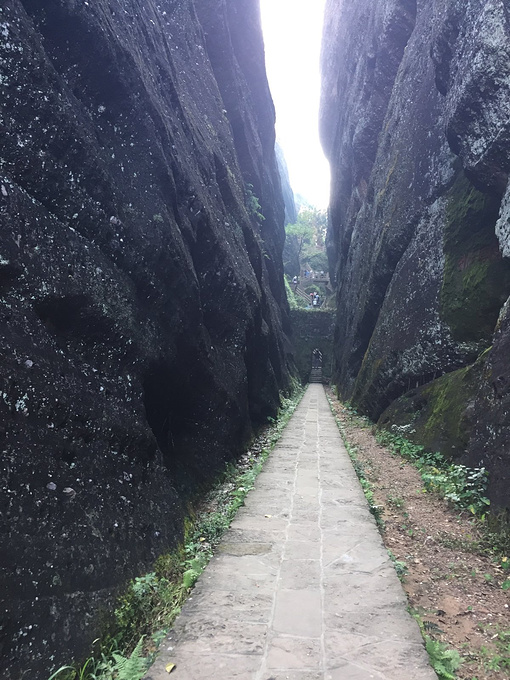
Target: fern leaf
444	661
133	667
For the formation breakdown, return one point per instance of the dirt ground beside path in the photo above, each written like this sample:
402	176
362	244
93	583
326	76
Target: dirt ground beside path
453	586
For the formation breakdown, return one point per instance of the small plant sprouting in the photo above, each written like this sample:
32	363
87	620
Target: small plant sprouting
497	656
444	661
400	566
463	486
253	204
132	667
395	501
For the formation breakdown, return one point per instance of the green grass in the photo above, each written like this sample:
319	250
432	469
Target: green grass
465	488
497	657
109	666
366	485
395	501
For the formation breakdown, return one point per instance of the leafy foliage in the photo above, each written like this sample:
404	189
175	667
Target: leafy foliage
132	667
318	221
149	601
400	566
309	233
444	661
463	486
303	234
109	665
291	298
253	204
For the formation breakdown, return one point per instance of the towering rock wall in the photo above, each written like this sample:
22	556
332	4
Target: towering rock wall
415	123
142	307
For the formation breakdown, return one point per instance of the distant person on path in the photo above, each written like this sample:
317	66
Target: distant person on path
295	283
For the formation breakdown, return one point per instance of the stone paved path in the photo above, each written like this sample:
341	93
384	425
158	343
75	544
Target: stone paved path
302	587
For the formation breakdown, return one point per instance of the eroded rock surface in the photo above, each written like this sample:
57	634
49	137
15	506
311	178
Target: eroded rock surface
143	310
415	123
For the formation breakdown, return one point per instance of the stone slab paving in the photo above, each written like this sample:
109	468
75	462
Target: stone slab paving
302	587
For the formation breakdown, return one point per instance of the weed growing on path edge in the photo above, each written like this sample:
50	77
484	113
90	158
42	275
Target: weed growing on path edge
366	485
497	659
146	610
395	501
443	659
111	666
400	566
462	486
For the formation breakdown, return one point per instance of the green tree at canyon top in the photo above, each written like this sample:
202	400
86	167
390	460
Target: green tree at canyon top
305	242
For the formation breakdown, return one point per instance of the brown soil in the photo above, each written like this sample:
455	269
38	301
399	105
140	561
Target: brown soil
451	582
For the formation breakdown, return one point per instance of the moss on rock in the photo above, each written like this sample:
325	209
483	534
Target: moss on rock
476	279
439	415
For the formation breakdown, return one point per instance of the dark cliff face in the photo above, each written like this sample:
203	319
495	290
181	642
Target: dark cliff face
415	124
142	305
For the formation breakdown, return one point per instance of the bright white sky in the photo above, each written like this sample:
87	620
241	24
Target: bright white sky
292	36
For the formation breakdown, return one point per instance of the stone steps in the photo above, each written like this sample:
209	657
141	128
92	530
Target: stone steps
299	291
316	375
